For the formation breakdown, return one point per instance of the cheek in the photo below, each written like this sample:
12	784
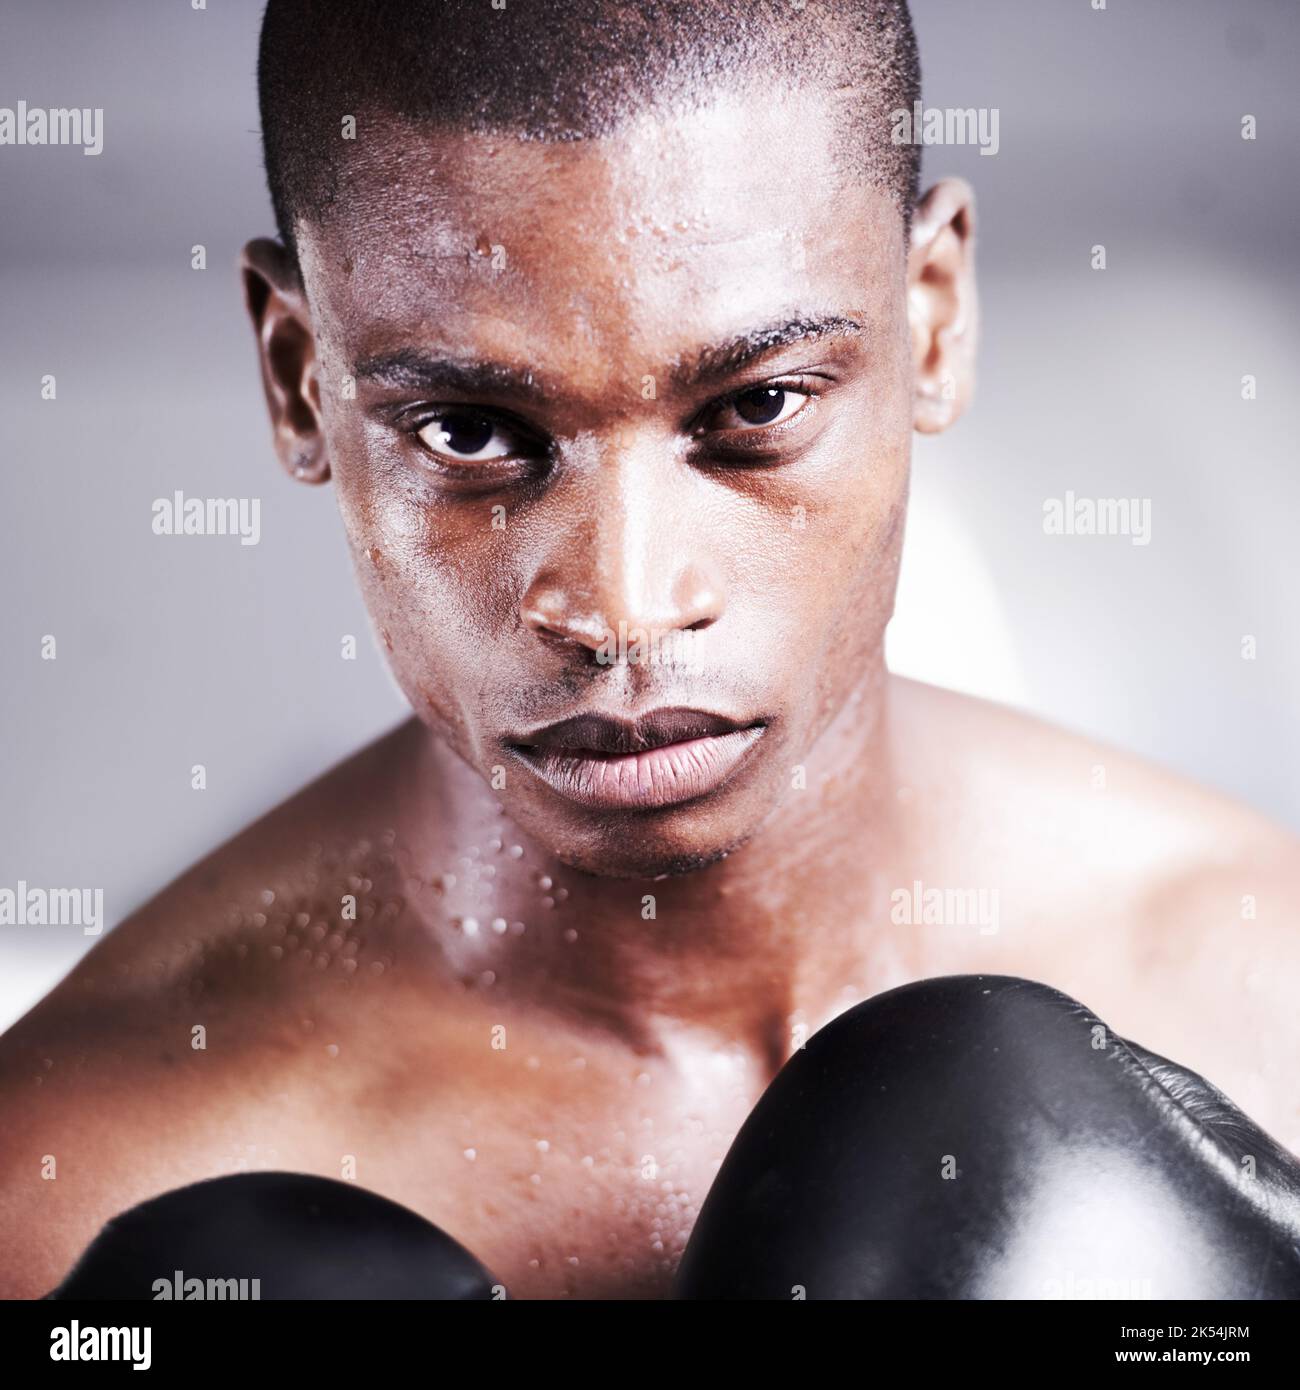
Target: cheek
444	591
833	530
421	558
435	579
832	576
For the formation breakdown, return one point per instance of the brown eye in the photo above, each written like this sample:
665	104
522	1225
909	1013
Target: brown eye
468	436
762	406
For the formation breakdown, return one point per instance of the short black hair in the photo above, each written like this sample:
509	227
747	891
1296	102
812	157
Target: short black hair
566	70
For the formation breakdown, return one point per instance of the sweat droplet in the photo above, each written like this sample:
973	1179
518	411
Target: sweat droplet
471	1154
499	925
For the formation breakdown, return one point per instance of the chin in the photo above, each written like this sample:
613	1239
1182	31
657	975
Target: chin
626	850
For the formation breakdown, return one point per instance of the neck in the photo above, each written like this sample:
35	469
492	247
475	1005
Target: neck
762	946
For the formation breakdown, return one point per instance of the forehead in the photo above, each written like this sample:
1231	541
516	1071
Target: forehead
679	229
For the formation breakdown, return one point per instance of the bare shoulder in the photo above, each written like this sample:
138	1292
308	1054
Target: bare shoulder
1172	910
216	1029
1029	785
322	865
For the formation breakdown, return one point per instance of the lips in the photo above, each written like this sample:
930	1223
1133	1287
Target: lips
664	758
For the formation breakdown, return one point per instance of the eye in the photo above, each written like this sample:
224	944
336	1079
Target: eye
760	407
463	435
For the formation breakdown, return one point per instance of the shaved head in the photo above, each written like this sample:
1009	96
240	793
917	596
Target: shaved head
565	70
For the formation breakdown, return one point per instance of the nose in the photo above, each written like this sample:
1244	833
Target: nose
631	553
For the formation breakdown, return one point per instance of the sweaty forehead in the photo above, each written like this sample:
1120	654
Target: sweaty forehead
672	229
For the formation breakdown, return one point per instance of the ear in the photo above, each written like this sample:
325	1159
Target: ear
286	349
942	309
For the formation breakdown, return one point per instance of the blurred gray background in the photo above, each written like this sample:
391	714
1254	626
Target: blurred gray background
1120	127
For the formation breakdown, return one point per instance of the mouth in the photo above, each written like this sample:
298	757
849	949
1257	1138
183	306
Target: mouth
664	758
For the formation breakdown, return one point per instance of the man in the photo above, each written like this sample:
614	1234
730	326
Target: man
610	326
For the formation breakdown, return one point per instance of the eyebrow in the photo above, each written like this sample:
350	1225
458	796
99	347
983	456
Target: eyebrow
726	359
414	369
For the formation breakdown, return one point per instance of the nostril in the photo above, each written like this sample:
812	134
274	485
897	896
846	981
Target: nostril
545	616
551	624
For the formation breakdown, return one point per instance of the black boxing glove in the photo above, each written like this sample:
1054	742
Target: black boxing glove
299	1236
988	1137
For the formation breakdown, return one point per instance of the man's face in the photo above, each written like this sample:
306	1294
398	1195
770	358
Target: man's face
593	467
